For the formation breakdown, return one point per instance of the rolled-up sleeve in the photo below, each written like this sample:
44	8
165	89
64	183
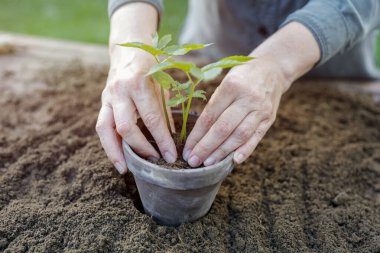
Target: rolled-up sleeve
337	25
113	5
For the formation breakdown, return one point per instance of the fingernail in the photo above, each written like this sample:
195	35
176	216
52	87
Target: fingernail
153	159
186	154
120	168
169	157
238	158
209	161
194	161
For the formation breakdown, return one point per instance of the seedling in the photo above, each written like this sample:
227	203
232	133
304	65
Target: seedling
184	92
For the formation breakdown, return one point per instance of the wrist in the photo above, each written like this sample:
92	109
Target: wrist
293	51
119	38
131	59
268	65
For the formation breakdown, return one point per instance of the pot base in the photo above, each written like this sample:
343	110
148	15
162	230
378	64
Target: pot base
172	207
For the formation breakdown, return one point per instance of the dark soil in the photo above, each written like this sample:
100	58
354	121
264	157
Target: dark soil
312	185
180	163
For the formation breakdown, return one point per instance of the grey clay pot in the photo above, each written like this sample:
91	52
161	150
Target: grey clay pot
173	197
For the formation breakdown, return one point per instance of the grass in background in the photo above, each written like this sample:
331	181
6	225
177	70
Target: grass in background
174	13
68	19
82	20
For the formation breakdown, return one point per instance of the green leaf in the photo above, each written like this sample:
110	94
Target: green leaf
199	94
178	99
196	46
159	67
164	41
241	58
222	64
164	79
183	49
175	50
227	62
197	72
177	86
185	66
211	74
155	39
144	47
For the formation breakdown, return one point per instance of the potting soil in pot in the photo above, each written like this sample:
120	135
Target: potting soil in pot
312	185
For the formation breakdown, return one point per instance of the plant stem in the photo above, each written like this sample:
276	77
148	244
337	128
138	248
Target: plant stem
164	102
183	134
182	106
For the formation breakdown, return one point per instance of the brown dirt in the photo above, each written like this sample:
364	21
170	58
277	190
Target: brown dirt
313	184
180	163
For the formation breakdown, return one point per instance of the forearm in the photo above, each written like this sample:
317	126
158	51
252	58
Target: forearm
292	49
337	25
131	22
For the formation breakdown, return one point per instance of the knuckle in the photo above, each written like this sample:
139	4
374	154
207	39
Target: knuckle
260	132
243	133
124	128
265	115
151	120
223	152
223	128
207	120
268	107
230	87
119	85
202	148
116	86
255	96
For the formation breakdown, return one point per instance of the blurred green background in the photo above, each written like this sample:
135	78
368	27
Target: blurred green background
82	20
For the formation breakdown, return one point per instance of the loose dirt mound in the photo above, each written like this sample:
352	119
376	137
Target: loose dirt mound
313	184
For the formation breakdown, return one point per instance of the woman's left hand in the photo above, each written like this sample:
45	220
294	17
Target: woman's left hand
238	115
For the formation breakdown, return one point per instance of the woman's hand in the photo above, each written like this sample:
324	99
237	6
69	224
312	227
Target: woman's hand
245	104
238	114
127	94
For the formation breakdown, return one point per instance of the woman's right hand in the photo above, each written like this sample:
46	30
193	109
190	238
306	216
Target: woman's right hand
127	95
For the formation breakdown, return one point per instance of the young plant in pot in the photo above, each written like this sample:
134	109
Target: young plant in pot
174	196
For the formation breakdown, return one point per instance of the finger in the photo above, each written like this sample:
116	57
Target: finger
238	137
218	133
125	120
219	101
167	97
105	127
151	113
243	152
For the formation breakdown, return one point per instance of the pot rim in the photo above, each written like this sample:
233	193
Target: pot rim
189	170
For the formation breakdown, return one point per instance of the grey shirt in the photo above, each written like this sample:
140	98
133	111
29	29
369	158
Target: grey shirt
344	29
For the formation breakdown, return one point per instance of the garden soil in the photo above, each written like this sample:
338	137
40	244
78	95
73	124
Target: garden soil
312	185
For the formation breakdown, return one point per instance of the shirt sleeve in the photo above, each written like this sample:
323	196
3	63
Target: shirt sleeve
113	5
339	24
